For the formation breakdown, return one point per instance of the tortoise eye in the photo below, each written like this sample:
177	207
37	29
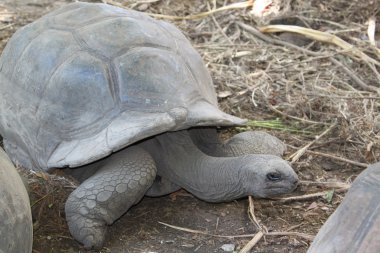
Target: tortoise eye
274	176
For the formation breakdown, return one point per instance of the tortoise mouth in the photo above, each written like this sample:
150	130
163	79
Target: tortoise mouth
279	190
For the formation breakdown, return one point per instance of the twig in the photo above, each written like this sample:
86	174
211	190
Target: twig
364	165
292	117
328	38
302	235
5	27
325	184
320	36
241	5
354	77
188	230
252	242
218	26
42	198
294	227
262	232
343	97
267	39
374	70
251	213
259	234
341	26
295	156
204	233
308	196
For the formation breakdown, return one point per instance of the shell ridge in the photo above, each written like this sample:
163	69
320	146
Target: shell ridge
48	81
101	19
86	48
22	54
126	50
113	82
190	70
132	50
89	127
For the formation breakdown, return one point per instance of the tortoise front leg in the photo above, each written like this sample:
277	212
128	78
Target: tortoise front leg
120	182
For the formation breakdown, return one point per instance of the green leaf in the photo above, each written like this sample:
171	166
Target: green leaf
329	195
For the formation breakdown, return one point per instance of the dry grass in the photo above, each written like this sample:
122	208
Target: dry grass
305	88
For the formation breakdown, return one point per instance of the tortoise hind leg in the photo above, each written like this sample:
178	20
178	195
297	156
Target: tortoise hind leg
120	182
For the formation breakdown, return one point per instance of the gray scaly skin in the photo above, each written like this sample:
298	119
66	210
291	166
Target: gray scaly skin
122	179
209	142
119	182
218	179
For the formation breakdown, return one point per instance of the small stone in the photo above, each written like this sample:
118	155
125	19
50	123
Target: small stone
143	7
312	206
228	247
188	245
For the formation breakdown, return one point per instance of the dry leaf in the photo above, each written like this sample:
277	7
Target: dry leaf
5	15
371	30
262	8
42	175
224	94
312	206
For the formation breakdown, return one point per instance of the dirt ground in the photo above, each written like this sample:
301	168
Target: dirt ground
308	93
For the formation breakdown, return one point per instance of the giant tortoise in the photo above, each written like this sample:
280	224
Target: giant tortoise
16	228
355	224
127	102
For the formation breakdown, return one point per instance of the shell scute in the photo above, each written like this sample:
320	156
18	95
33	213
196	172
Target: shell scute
77	98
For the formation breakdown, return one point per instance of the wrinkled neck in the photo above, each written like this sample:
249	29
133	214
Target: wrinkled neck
213	179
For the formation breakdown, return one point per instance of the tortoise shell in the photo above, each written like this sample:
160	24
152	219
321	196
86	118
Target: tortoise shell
90	79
